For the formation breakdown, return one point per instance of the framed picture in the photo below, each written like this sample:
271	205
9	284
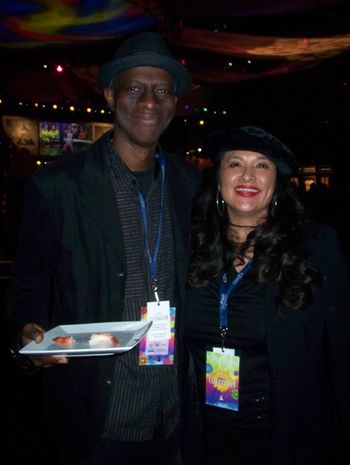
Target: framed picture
58	138
100	128
23	132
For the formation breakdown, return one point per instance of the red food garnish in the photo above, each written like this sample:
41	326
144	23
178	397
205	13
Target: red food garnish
115	341
63	340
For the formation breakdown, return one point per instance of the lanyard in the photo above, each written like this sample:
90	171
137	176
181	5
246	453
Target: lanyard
152	259
225	291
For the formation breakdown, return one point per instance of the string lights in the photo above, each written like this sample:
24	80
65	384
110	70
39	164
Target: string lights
20	105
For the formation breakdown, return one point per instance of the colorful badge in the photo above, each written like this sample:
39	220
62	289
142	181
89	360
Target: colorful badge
157	347
222	378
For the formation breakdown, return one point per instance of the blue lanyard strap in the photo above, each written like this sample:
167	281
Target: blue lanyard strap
225	291
152	259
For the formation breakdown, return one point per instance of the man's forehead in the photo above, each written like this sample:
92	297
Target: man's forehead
145	74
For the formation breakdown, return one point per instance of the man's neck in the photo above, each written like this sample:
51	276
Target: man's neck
136	163
136	158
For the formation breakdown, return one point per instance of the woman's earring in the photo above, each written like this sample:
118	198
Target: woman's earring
220	203
274	207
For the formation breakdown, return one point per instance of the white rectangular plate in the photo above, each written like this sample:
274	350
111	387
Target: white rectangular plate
128	333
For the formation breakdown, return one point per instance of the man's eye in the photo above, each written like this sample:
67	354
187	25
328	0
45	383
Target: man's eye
164	92
134	88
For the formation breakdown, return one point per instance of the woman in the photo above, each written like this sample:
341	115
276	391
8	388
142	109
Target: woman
267	320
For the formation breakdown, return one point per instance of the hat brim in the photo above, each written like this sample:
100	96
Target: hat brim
286	168
179	73
237	139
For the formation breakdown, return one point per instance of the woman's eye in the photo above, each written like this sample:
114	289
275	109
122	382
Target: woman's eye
234	164
263	165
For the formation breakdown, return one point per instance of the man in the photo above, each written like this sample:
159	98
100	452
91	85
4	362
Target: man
105	237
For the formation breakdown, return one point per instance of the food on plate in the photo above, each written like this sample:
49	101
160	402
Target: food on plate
103	339
66	341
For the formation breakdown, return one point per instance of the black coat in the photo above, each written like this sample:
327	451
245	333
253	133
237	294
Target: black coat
71	268
309	354
309	360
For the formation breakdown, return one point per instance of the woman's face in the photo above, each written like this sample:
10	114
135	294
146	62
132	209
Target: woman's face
247	183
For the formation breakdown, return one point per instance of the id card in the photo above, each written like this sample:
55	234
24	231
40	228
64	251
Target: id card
157	347
222	378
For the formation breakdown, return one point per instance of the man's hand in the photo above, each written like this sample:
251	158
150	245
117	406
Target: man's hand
34	332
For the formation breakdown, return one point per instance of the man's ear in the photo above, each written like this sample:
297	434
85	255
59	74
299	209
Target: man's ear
109	97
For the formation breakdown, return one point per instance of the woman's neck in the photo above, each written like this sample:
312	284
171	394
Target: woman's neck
243	225
239	232
241	262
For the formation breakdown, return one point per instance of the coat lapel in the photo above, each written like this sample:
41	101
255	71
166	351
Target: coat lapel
285	334
180	200
288	349
96	192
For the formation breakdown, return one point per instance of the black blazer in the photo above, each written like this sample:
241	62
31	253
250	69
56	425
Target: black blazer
309	361
71	268
309	355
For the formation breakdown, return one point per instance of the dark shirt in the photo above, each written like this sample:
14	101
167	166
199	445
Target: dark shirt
145	398
246	334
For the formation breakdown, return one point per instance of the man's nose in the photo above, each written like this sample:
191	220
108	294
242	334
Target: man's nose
148	98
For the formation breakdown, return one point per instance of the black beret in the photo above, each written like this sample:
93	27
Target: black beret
254	139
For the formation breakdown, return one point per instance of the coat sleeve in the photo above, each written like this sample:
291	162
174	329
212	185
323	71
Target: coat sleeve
335	295
29	290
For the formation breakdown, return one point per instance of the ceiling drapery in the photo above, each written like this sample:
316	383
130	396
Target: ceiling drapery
31	30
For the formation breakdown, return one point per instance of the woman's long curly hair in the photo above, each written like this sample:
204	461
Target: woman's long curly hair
281	246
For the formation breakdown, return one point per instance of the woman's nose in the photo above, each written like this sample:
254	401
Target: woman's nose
247	173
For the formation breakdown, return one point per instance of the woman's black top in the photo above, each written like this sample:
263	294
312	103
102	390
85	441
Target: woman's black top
246	334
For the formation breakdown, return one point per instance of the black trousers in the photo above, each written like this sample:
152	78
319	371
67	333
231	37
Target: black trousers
236	447
158	451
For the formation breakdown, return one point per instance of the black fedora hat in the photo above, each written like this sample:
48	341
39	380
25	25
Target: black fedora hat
254	139
145	49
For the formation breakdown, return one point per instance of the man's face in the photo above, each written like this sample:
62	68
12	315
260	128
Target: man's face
144	103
